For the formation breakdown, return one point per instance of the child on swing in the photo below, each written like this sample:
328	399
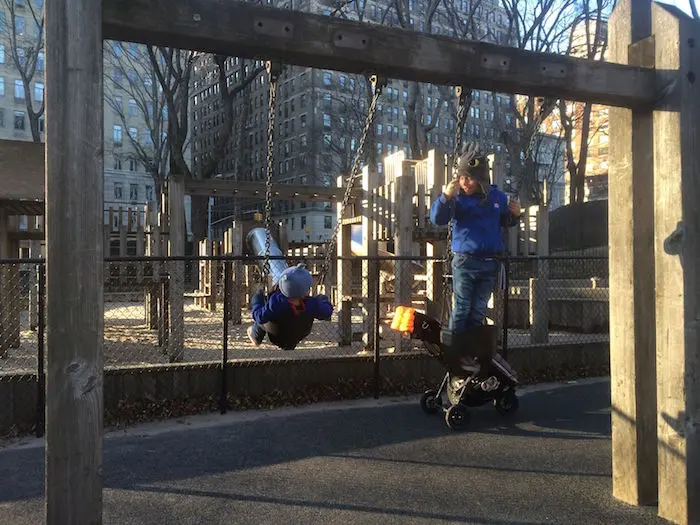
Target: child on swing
289	312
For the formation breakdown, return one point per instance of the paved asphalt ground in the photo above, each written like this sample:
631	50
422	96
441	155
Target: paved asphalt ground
365	462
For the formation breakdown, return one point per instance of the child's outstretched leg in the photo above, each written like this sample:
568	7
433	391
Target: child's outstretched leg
256	334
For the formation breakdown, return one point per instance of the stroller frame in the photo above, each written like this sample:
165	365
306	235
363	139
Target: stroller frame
475	375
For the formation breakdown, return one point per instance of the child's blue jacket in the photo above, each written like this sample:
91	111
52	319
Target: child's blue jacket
478	220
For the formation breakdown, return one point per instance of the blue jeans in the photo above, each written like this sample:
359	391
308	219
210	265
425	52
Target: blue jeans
473	280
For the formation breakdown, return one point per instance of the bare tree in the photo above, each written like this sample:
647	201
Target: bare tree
220	68
535	25
25	40
587	40
135	95
694	9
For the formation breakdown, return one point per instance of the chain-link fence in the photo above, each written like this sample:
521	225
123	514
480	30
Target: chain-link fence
557	300
198	310
22	363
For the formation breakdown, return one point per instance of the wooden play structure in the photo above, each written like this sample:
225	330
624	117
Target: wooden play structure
654	189
21	195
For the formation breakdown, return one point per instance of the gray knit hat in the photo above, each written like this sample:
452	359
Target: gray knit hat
474	163
295	281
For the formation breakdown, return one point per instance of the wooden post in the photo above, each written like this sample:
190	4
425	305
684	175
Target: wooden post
123	230
152	249
108	234
403	243
74	237
140	248
677	250
436	175
176	248
539	311
370	179
632	320
234	246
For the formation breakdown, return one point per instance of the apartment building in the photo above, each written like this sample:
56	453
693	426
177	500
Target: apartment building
126	183
320	115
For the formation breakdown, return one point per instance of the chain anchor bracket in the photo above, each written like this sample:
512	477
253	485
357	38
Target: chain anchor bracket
274	69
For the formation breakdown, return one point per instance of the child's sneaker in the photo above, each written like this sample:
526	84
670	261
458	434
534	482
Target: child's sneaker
249	331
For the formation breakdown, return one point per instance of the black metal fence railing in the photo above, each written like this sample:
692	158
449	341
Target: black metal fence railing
197	309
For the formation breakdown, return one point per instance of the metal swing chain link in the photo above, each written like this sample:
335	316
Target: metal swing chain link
273	71
461	118
378	84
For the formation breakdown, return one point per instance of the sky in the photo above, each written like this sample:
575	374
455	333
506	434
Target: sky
681	4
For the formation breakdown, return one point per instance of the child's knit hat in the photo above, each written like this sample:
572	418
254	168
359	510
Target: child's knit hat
295	282
475	164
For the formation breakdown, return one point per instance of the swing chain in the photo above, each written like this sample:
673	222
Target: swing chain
378	84
461	118
273	70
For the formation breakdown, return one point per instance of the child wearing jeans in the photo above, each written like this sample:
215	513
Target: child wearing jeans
289	312
479	210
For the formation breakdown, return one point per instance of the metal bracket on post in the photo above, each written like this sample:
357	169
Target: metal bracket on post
274	69
379	82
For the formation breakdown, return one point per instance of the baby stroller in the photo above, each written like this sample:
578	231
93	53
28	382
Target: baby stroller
475	375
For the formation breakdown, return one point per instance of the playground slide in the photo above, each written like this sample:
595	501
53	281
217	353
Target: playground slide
256	243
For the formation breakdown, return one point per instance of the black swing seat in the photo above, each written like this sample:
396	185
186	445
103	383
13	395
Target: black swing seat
289	331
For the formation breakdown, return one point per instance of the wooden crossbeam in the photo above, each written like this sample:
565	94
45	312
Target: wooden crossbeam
230	188
247	30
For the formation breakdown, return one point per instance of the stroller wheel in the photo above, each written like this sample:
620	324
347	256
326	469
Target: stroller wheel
457	417
507	403
430	402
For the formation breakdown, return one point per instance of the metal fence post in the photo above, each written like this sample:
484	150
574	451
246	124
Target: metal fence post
223	402
41	373
506	299
377	313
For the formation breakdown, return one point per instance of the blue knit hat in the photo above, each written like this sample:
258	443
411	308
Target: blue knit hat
295	281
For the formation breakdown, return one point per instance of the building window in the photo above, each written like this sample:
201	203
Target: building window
19	25
2	54
302	120
38	91
19	89
327	77
328	222
2	118
133	192
149	193
303	222
326	120
117	164
134	134
292	224
326	139
132	108
19	120
117	135
132	165
2	86
118	191
40	61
